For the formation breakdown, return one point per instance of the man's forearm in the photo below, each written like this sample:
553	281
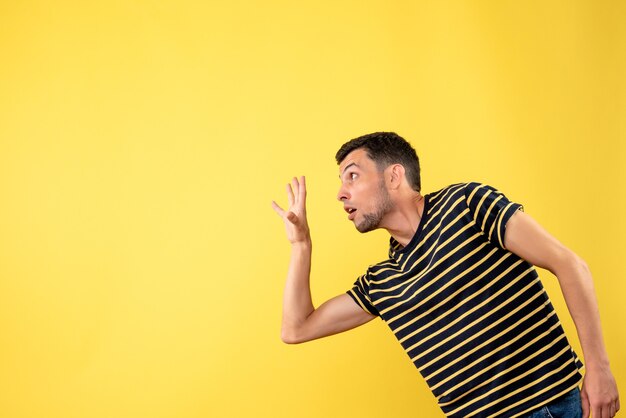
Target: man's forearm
297	302
578	290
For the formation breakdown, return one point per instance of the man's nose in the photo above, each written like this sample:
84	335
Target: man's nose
342	194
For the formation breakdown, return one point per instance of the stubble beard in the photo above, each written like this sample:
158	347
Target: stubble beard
371	221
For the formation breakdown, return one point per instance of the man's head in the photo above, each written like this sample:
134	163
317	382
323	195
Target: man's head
386	148
364	164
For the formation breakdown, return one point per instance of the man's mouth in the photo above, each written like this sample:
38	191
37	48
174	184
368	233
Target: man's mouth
351	212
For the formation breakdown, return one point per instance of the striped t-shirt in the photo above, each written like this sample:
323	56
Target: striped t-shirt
473	317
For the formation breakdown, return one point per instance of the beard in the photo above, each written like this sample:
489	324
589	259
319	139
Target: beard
371	221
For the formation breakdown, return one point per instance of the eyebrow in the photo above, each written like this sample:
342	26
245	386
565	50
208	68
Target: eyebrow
347	167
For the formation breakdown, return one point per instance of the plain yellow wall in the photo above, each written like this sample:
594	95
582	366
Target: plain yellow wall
141	266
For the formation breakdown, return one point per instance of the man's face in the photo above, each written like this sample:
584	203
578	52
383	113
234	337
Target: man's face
363	191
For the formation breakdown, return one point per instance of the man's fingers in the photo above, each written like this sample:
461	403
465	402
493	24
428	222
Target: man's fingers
596	412
290	216
296	194
290	195
296	188
278	209
302	191
584	400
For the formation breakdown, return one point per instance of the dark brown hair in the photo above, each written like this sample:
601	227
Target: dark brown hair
386	148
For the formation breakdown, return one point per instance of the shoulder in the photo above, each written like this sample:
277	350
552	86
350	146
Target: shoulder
376	269
469	186
481	190
445	190
451	192
471	193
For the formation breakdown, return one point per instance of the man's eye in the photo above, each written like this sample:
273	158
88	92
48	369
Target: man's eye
352	176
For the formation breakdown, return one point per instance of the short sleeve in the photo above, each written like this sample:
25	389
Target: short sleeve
490	210
360	294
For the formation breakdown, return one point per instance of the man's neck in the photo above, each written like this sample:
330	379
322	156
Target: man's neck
404	221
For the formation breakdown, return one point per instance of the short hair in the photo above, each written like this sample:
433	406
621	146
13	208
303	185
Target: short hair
386	148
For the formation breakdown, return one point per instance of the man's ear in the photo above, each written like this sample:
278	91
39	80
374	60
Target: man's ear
395	175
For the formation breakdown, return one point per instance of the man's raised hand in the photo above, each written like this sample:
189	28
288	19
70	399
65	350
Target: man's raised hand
294	217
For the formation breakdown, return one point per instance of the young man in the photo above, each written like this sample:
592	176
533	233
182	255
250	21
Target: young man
459	290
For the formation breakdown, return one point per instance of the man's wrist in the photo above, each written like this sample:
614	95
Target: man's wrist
597	363
305	244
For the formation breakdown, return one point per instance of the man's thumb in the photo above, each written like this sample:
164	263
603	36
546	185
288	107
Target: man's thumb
292	217
584	402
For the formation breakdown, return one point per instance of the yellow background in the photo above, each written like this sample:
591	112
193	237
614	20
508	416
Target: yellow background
141	265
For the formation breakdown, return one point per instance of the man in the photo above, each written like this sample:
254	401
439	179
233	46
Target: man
459	290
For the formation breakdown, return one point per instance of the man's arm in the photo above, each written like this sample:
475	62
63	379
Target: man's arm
526	238
301	321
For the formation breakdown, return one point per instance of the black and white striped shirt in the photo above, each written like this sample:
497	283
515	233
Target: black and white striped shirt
473	317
